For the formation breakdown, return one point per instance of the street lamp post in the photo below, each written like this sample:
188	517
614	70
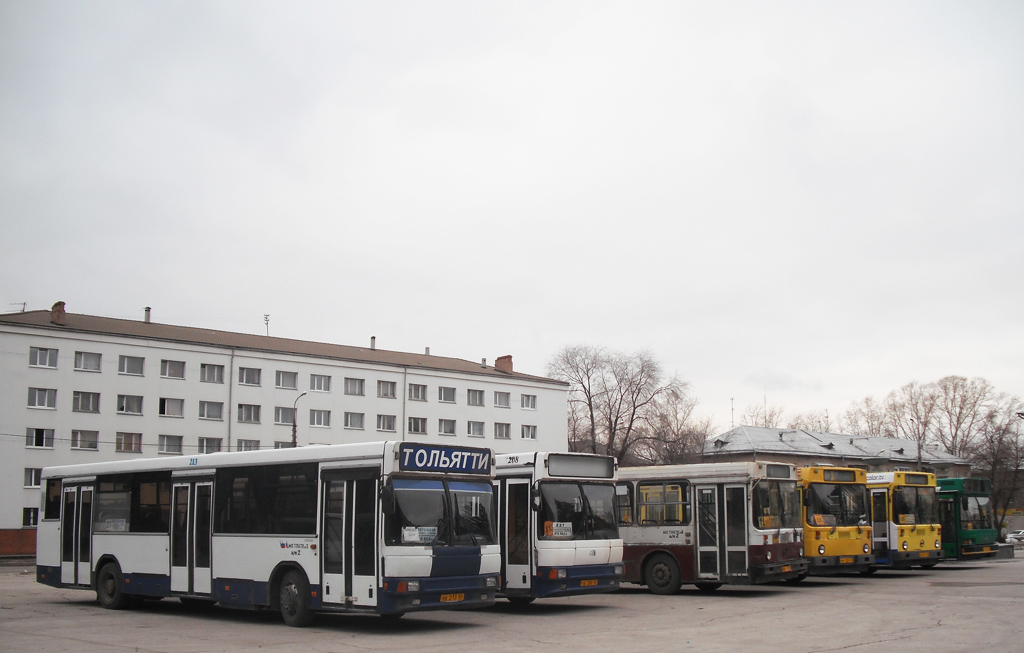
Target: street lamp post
295	440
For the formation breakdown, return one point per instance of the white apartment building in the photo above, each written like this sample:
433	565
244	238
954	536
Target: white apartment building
80	388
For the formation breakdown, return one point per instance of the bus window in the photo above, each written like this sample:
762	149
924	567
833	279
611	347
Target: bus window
113	504
624	503
914	505
664	504
561	515
776	505
52	508
836	505
471	505
976	513
601	503
420	513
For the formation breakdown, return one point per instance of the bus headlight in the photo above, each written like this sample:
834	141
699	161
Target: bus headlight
491	581
936	544
556	573
821	550
904	545
619	570
866	548
768	555
413	585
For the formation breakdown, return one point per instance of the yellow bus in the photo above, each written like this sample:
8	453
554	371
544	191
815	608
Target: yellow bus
905	529
836	521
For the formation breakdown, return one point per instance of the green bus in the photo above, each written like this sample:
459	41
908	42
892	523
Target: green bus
968	525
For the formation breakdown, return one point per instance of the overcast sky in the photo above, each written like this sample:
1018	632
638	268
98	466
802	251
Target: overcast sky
810	202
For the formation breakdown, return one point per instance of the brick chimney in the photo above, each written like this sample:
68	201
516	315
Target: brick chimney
57	314
503	364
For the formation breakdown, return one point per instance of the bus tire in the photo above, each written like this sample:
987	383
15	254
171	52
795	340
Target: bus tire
708	587
661	574
110	588
293	598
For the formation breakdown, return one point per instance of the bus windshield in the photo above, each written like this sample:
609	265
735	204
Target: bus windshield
914	505
577	511
775	504
432	512
836	504
976	513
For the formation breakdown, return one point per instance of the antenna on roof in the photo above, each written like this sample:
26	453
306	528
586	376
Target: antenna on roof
23	305
266	320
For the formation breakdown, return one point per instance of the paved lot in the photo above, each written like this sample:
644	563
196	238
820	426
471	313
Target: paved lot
954	607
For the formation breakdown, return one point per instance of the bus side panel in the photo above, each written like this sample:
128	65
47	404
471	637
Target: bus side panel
136	553
634	555
48	543
238	559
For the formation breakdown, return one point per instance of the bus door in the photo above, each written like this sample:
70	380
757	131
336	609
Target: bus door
76	536
736	530
707	531
349	538
191	527
880	524
517	547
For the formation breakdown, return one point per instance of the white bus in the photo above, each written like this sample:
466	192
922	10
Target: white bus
571	545
710	524
381	527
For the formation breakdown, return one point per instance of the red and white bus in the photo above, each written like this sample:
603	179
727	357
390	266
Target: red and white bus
557	523
382	527
710	524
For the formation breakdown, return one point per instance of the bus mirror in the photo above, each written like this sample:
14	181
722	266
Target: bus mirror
387	499
534	499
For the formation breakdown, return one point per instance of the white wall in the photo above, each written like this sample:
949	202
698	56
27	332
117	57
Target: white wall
16	377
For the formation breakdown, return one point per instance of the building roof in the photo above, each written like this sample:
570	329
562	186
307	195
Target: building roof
91	324
798	442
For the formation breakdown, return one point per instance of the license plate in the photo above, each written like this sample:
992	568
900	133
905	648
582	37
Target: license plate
988	549
588	583
925	554
452	598
787	568
846	561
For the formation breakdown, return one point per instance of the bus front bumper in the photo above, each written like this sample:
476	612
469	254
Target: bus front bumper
436	593
775	571
825	565
979	550
572	581
904	559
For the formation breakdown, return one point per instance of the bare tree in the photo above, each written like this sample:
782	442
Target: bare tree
815	420
910	412
762	415
673	434
998	452
867	417
614	400
961	409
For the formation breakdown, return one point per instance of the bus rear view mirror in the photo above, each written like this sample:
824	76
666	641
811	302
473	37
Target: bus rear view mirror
387	499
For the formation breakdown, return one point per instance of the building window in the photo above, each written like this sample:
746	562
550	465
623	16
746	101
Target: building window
418	425
248	413
86	361
29	517
85	440
475	397
170	444
475	429
42	398
386	389
249	375
287	380
39	357
284	415
446	395
209	445
129	404
502	431
528	401
39	438
85	402
529	432
354	420
322	418
501	399
247	445
417	392
354	386
172	369
128	442
211	373
172	407
386	423
33	477
320	382
211	410
446	427
283	445
131	365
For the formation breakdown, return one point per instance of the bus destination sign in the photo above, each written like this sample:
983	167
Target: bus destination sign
429	458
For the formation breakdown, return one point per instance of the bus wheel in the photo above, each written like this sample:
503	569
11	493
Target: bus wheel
708	587
294	600
110	588
661	574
